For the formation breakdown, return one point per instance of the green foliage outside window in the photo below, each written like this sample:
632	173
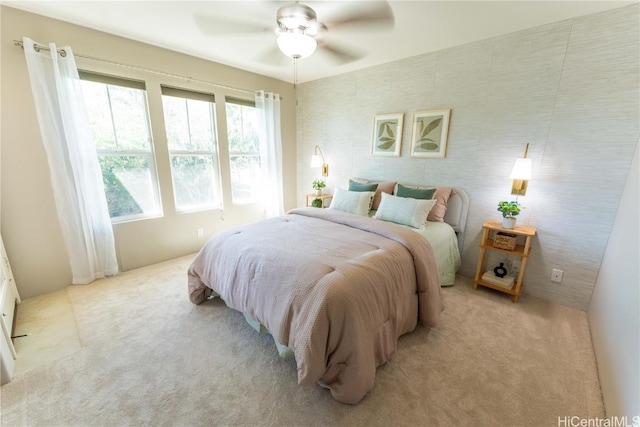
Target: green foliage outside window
119	199
244	152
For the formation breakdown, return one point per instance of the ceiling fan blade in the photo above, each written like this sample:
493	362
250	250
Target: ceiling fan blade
341	55
362	15
216	26
274	57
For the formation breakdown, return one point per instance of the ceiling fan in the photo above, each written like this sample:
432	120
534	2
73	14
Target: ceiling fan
298	32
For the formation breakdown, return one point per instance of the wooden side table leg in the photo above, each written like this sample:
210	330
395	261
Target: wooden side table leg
479	268
523	265
481	255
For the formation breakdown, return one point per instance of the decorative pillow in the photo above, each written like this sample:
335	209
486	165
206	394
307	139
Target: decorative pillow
404	210
383	187
415	192
356	202
362	186
442	197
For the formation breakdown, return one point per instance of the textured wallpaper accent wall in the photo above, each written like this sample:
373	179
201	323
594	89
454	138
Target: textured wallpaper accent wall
569	88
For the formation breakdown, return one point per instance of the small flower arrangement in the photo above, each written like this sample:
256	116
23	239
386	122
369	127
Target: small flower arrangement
318	184
509	209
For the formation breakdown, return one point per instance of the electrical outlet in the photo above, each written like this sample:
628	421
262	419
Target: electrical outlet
556	275
200	232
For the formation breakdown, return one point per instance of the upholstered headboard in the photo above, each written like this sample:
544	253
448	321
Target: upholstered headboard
457	205
457	212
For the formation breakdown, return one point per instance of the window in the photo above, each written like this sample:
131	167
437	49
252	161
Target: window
193	149
119	120
244	150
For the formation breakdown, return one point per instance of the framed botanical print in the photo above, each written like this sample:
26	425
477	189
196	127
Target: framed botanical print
429	133
387	135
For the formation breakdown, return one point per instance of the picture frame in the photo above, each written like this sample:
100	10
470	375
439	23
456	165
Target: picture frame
430	130
387	135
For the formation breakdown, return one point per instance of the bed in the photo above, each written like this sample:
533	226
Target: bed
334	289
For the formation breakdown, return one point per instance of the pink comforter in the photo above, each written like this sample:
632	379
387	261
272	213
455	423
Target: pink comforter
336	288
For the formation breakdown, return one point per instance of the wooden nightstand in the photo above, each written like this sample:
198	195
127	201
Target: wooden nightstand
325	198
524	235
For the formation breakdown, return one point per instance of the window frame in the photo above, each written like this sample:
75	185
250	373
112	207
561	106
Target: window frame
109	80
243	103
185	94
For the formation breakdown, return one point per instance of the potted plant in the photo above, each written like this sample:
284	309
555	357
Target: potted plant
509	212
318	185
316	203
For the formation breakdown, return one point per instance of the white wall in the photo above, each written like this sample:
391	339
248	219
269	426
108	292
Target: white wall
569	88
28	216
614	312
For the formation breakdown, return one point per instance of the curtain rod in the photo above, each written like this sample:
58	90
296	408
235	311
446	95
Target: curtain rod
63	53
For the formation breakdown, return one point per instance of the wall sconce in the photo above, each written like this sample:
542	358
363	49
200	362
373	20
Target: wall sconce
521	174
317	160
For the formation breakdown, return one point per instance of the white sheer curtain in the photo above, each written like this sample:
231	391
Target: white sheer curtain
268	105
75	173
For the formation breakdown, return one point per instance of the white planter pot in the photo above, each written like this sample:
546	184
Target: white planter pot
508	223
319	192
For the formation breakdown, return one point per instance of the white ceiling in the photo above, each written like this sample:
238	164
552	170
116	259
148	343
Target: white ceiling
420	27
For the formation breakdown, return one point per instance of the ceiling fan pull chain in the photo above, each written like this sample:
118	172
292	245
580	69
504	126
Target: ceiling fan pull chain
295	79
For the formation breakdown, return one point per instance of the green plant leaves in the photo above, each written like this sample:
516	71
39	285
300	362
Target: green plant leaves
429	146
386	134
386	145
424	142
430	127
509	209
384	128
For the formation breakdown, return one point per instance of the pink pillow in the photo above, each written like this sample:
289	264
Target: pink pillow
442	197
383	187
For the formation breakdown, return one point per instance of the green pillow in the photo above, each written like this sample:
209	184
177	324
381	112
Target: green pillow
360	186
415	193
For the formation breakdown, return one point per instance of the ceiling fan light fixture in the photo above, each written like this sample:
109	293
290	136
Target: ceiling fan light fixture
294	16
296	45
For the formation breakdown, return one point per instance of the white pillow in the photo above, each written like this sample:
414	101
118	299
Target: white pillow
356	202
404	210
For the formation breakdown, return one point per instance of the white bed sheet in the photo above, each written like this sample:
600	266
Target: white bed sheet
444	242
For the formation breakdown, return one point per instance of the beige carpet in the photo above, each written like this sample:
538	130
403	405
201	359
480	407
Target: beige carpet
150	357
